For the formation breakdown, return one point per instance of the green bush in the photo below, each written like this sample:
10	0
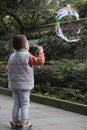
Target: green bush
70	74
85	98
57	49
3	75
69	93
64	74
66	79
43	74
5	49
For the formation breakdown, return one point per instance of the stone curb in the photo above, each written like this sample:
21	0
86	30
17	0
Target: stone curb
58	103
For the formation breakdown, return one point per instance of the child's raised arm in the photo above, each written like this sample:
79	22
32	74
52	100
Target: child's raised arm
37	60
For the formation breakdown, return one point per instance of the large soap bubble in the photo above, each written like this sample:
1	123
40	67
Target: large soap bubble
67	24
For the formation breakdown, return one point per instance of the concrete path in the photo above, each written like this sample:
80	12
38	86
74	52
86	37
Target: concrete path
43	117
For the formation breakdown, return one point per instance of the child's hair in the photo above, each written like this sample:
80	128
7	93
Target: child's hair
19	41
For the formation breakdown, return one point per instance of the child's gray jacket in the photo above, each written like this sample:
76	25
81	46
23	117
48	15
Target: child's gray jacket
20	74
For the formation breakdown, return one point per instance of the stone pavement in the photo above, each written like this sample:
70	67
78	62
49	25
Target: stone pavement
43	117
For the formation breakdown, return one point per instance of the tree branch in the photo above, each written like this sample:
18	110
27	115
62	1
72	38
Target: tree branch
19	21
18	6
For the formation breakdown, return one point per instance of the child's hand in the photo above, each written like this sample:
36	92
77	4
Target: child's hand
40	48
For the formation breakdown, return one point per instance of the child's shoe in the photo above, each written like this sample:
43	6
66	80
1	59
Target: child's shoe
25	126
15	125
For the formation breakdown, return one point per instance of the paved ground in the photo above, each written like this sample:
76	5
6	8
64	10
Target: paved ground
43	117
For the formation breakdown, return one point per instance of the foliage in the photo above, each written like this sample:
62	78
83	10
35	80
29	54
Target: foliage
56	48
3	75
81	6
66	79
43	75
70	74
22	16
27	17
70	94
5	50
85	98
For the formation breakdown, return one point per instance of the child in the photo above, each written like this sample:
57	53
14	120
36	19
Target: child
21	79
